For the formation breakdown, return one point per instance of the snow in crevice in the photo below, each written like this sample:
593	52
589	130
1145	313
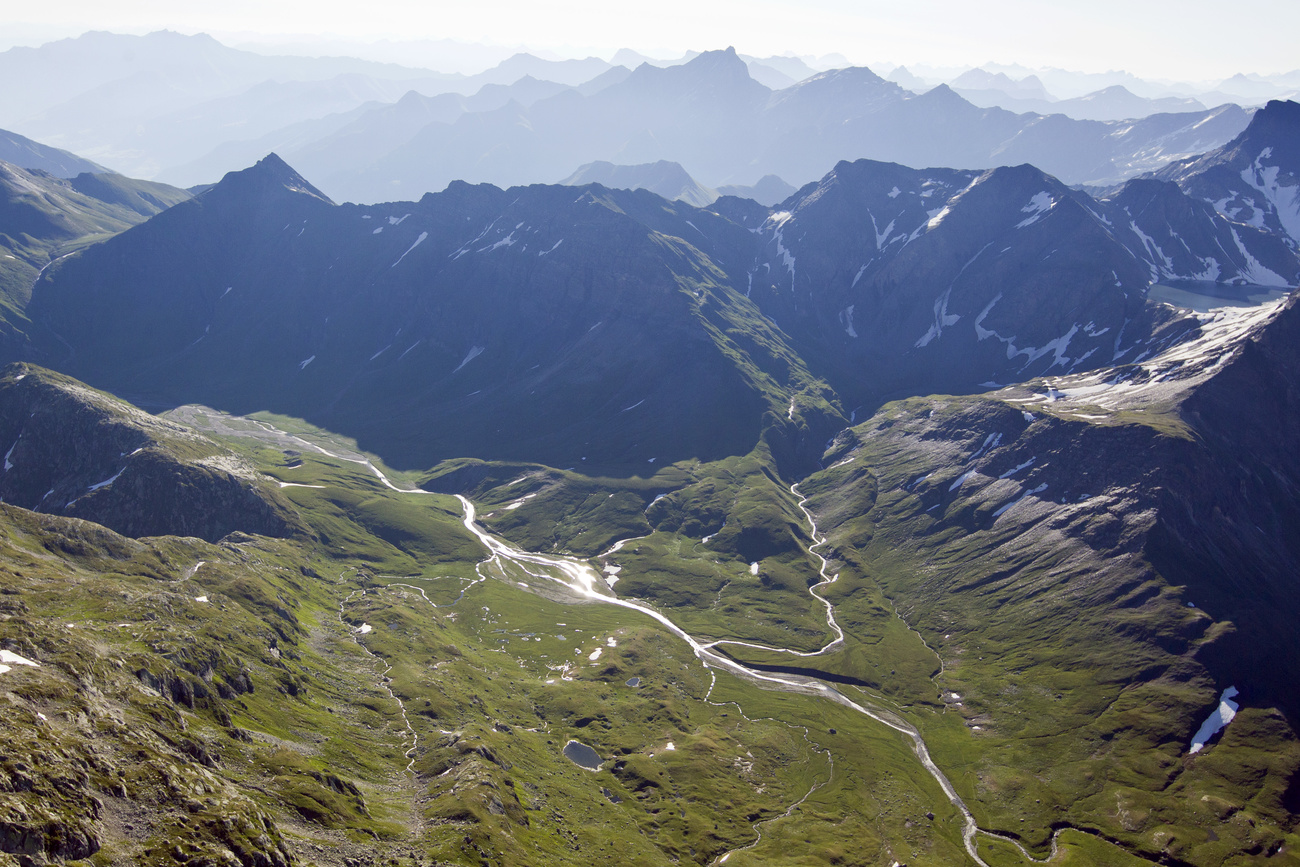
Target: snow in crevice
408	350
397	221
465	248
633	406
1011	472
880	235
846	318
474	352
1253	270
106	482
553	249
9	464
417	243
1285	198
1056	346
1026	495
961	480
508	241
1161	265
778	222
1039	205
991	441
937	217
1216	721
306	361
381	352
942	318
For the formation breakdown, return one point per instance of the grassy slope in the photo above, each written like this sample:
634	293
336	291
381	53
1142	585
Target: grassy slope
309	766
1070	680
310	763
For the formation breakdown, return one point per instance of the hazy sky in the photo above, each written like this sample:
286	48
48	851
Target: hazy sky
1187	39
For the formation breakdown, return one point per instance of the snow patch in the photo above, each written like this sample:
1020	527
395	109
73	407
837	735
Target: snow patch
519	502
1026	495
880	237
1216	721
9	658
474	352
937	216
302	364
103	484
1018	468
990	442
1285	199
1254	271
1040	204
417	243
961	480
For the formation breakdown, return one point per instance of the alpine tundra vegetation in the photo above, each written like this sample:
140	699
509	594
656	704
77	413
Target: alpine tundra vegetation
925	516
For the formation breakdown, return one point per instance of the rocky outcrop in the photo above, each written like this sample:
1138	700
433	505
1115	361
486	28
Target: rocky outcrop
73	451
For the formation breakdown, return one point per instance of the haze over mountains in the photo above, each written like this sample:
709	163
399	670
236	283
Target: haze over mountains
637	506
186	109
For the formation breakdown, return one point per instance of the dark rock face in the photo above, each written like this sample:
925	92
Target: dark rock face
1067	510
1254	179
894	281
565	325
75	452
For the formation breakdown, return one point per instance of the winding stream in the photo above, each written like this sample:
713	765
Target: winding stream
579	579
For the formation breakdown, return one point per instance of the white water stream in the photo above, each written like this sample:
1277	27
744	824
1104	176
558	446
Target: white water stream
583	580
580	578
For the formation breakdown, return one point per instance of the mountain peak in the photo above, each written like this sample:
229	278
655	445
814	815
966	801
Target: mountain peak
1279	116
269	174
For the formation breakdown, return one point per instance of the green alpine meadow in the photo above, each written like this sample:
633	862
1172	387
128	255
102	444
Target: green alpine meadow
928	516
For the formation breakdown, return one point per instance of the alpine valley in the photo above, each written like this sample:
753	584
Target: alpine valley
928	516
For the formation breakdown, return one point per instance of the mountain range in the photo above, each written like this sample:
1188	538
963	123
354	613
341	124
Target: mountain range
370	132
896	521
934	280
724	127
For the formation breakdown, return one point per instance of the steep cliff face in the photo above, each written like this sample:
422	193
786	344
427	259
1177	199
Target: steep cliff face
70	450
1255	178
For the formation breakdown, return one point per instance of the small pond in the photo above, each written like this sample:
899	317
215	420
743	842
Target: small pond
581	754
634	682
